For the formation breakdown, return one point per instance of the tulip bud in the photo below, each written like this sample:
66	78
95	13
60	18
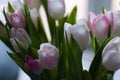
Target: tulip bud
21	36
56	8
34	16
116	23
33	65
49	55
111	55
16	5
80	33
33	3
100	27
16	20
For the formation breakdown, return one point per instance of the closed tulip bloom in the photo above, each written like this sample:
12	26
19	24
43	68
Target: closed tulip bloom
100	27
111	55
34	65
116	23
21	36
56	8
16	20
49	55
33	4
16	5
34	15
80	33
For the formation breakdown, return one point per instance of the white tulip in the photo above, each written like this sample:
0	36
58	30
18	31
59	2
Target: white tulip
111	55
56	8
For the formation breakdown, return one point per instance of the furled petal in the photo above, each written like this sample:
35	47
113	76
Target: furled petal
21	36
48	55
111	60
33	65
111	55
16	19
100	27
56	8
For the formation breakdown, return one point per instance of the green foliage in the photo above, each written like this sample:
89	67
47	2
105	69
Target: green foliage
10	9
70	55
96	63
72	17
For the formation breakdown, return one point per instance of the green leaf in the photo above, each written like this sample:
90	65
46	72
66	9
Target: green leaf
41	31
103	10
86	75
51	21
96	63
72	17
10	8
62	71
94	42
33	52
16	58
60	30
75	60
6	19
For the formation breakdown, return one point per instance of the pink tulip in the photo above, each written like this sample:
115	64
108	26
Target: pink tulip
49	55
56	8
33	65
99	25
16	20
111	55
33	4
21	36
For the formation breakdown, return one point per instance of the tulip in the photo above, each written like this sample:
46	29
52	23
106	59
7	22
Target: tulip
49	55
33	65
33	4
99	25
111	55
56	8
16	20
116	23
79	31
21	36
16	5
34	16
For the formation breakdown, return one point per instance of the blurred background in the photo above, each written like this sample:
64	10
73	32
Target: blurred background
10	71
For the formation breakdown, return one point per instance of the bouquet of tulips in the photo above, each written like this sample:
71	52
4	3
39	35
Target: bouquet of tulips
61	57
